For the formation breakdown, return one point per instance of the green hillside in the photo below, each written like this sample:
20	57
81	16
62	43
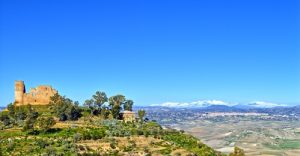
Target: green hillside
65	128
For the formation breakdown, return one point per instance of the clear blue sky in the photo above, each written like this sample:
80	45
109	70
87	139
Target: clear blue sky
153	51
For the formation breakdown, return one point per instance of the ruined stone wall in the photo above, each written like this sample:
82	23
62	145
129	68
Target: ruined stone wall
19	91
36	96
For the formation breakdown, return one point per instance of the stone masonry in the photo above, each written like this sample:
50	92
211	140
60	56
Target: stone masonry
36	96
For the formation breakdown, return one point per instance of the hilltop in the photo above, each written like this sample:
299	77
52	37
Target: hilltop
102	126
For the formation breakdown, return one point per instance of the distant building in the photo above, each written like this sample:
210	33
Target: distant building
36	96
128	116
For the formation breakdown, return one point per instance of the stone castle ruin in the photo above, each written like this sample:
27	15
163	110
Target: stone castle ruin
36	96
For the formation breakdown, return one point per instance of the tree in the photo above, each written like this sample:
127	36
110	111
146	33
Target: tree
20	114
115	103
90	105
76	103
141	114
29	108
56	98
30	120
95	104
45	123
116	111
237	152
116	100
58	106
73	112
64	108
128	105
5	119
104	112
11	110
99	99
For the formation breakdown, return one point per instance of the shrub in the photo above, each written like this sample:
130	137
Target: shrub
113	145
10	146
188	142
50	151
45	123
41	143
1	152
93	133
5	119
30	120
237	152
77	137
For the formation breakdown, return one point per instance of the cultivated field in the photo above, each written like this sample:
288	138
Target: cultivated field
255	137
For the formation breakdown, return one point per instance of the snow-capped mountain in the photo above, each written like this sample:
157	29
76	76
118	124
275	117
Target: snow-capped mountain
207	103
262	104
200	103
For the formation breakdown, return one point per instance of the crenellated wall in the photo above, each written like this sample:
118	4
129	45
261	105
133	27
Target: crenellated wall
36	96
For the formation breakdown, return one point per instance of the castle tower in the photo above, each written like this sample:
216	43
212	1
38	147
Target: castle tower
19	92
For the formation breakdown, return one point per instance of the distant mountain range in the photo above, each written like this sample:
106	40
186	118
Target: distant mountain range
221	106
207	103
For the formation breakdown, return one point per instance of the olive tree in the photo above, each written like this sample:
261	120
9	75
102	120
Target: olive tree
64	108
115	102
96	102
141	114
128	105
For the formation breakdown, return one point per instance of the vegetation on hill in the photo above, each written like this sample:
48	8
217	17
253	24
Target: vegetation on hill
95	129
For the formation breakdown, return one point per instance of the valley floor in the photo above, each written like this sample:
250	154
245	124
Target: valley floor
255	137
